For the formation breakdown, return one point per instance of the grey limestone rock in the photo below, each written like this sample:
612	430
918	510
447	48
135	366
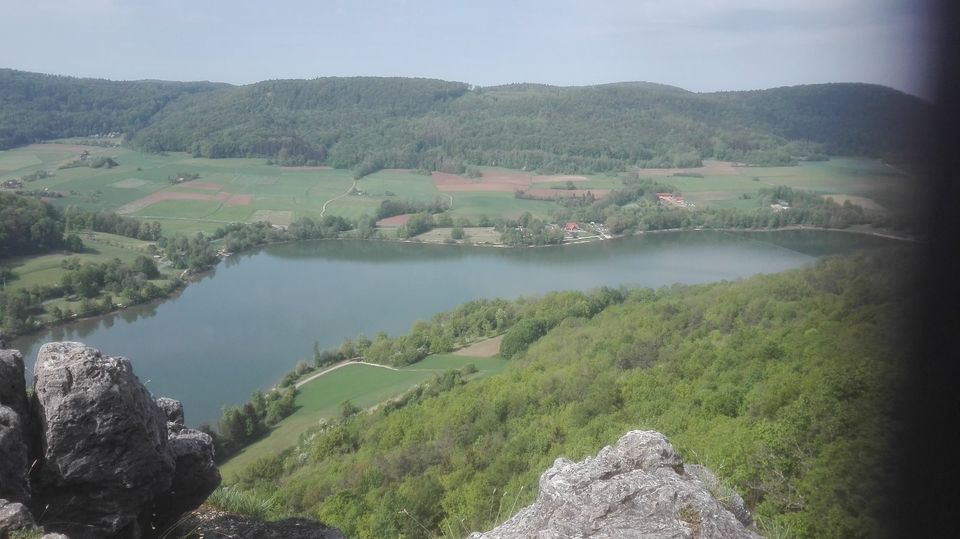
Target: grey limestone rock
637	488
212	523
195	475
14	457
14	516
173	410
12	386
105	453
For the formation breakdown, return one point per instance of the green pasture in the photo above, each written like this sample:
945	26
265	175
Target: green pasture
364	386
100	247
473	205
869	178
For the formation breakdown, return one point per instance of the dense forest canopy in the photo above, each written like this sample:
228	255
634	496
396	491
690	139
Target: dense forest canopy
371	122
37	107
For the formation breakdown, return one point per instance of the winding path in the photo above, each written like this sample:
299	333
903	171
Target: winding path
338	197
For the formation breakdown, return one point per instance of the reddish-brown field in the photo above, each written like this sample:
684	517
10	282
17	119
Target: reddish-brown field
487	348
499	181
396	220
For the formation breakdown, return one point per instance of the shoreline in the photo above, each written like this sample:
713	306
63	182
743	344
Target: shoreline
185	281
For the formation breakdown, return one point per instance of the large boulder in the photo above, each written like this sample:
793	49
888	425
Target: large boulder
637	488
105	456
195	475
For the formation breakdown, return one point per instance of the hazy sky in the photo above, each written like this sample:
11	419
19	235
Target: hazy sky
700	45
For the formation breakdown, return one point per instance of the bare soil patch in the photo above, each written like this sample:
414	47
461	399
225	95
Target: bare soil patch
238	200
395	221
443	179
487	348
499	181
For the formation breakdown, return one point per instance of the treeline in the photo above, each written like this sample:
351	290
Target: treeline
240	426
76	218
784	385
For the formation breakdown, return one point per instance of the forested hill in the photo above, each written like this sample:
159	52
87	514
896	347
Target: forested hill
369	122
37	107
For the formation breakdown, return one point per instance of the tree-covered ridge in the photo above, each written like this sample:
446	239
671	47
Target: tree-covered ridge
377	122
418	123
36	107
784	384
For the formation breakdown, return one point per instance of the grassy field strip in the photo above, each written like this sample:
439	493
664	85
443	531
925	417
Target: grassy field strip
357	382
339	365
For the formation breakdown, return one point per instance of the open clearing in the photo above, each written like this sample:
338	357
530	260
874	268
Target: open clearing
863	202
363	385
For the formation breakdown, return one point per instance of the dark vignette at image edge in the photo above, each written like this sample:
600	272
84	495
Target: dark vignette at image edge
925	496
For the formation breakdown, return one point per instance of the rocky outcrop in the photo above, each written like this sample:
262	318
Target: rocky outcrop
637	488
14	457
104	440
100	457
211	523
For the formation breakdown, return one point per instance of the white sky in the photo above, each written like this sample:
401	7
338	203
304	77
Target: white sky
700	45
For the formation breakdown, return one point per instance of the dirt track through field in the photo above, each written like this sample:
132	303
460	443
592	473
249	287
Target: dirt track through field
338	197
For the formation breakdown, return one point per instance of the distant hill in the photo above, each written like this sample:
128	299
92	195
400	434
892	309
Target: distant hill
38	107
372	122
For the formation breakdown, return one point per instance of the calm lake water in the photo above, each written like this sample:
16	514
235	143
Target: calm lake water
245	324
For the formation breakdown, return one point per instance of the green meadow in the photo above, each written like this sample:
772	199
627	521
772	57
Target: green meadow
871	179
249	190
363	385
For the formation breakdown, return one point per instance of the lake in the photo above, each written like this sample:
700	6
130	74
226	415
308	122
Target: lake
246	323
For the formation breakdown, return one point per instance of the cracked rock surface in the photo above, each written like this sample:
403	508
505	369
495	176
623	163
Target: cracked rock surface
636	488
